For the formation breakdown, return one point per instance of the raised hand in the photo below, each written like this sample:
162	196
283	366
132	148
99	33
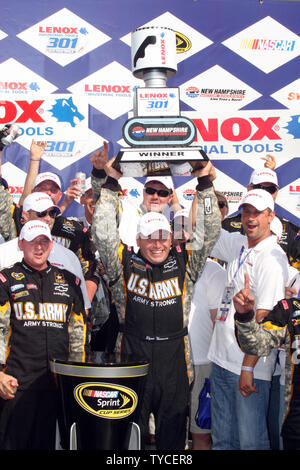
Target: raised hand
270	161
244	301
111	171
100	157
207	169
37	149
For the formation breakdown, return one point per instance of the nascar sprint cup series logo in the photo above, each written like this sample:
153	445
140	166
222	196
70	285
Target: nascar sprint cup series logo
106	400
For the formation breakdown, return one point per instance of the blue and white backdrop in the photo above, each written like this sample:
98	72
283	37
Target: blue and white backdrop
65	77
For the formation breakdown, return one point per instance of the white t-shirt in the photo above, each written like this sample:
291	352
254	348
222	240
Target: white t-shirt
207	295
267	267
59	256
130	217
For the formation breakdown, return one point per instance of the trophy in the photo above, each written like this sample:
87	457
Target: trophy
159	138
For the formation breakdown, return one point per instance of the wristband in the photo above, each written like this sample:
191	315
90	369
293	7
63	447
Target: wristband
203	183
249	369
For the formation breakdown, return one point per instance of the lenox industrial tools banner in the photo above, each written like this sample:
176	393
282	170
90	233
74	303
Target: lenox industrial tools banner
66	77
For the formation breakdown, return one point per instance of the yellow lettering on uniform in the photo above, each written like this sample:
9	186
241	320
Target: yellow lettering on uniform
152	292
142	286
158	288
132	281
18	308
168	289
29	311
175	283
42	312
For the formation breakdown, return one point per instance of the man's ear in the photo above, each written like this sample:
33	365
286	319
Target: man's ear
20	244
25	216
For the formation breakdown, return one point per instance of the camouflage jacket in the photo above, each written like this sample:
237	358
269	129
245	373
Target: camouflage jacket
280	328
118	263
7	226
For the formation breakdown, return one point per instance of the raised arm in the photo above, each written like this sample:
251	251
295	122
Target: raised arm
37	150
105	226
207	224
7	225
98	176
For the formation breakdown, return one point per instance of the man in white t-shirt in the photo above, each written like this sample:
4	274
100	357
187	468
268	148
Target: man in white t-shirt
238	410
39	206
206	298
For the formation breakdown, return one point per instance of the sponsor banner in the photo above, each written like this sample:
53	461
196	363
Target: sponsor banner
59	119
231	189
248	135
266	44
110	89
289	95
18	81
63	37
218	89
15	178
289	197
132	190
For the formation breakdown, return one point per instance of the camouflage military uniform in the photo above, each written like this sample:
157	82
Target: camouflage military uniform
281	327
154	318
7	226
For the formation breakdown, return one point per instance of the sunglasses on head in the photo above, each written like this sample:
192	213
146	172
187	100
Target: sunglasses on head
160	192
52	213
270	189
222	204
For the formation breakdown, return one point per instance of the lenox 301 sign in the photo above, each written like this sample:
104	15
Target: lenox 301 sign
157	101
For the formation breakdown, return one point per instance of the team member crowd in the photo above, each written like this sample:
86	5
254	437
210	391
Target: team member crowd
209	300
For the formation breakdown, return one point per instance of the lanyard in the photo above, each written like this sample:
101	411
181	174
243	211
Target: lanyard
228	290
241	261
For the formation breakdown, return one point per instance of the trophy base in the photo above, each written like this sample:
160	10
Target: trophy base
168	161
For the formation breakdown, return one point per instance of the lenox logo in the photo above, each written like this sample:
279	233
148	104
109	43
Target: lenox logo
58	30
13	86
237	128
107	88
9	111
163	51
153	95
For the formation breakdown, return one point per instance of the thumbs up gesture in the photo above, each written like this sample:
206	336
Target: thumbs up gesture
243	301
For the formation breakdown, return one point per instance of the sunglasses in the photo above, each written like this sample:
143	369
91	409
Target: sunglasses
222	204
160	192
52	213
270	189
